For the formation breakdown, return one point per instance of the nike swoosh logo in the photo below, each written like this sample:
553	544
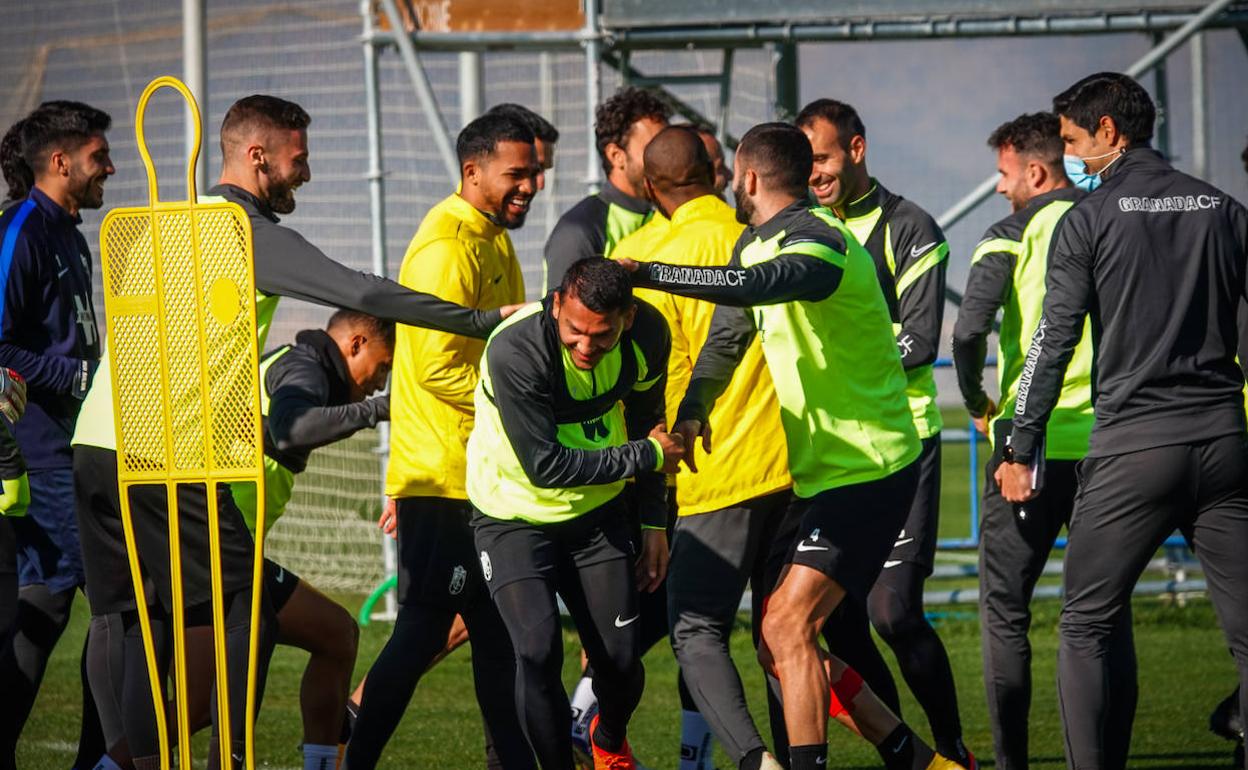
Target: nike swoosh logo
622	623
61	274
903	542
281	576
496	280
901	745
802	546
891	563
919	251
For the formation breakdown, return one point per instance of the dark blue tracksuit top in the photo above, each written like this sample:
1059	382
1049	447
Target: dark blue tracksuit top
48	333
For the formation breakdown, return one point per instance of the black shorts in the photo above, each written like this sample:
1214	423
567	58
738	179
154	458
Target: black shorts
279	584
104	550
99	529
518	550
916	543
437	558
847	532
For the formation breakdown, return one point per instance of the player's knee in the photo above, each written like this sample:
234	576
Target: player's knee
1081	630
783	633
343	638
536	650
689	635
895	621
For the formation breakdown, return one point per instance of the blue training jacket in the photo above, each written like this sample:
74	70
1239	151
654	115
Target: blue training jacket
48	333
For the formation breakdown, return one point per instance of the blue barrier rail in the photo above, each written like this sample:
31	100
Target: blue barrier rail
971	437
968	436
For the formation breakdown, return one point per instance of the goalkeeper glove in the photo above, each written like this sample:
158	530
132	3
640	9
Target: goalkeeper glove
15	496
12	394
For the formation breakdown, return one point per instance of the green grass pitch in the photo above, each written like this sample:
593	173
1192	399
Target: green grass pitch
1184	670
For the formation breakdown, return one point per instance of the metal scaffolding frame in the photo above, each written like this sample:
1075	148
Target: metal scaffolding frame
613	45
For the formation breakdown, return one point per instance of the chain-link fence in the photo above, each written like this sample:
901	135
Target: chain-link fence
105	51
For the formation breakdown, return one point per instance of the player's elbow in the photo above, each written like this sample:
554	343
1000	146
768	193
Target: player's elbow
965	342
284	434
361	295
542	480
284	442
546	470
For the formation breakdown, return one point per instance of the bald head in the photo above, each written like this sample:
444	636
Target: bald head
676	158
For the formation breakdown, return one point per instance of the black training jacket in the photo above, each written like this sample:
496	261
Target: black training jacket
1156	258
309	400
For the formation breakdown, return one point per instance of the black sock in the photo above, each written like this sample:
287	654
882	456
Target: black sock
955	750
606	739
752	760
811	757
897	750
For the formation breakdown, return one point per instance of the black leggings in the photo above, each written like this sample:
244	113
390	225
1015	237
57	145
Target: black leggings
529	610
895	608
41	618
137	716
653	630
8	585
419	635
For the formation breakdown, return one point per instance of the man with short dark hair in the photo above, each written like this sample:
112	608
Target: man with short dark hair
623	126
570	405
545	135
829	344
1007	274
314	393
463	253
1226	719
48	334
264	142
1156	259
911	257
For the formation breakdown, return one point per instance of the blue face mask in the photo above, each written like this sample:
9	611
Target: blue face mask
1075	169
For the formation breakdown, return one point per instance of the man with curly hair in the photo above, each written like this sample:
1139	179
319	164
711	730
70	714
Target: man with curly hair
623	126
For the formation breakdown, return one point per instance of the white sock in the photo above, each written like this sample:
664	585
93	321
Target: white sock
318	756
584	706
695	742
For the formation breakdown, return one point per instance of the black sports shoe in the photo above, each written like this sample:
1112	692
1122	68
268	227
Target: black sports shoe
1225	719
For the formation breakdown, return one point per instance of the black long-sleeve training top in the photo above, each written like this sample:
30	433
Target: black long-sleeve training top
309	400
287	265
552	441
1156	258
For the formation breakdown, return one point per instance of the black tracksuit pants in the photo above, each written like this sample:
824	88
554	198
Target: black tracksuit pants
1015	542
1127	505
